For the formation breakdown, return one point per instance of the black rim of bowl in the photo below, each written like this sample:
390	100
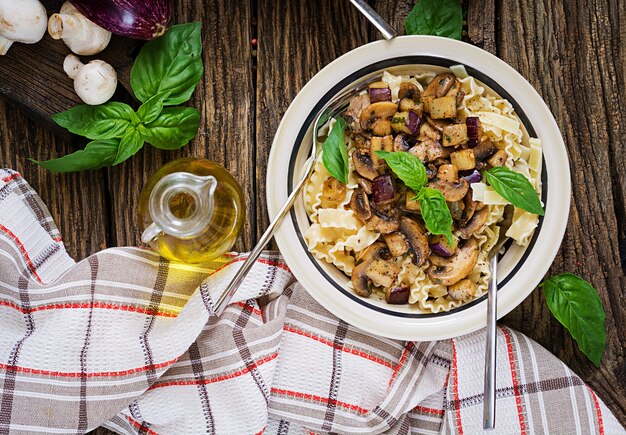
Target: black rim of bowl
380	66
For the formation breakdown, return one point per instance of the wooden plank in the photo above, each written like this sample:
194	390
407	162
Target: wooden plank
296	39
573	54
225	98
48	90
76	201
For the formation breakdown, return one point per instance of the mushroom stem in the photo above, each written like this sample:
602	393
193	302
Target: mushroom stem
5	44
65	25
71	65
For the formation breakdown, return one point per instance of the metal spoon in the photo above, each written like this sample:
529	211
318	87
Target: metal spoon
333	107
384	28
489	404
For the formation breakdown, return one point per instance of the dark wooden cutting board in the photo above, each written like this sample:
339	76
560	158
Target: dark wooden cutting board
32	76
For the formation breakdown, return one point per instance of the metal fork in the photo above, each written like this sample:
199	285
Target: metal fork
332	108
489	404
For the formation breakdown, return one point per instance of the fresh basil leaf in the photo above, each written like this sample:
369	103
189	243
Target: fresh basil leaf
576	304
435	17
407	167
96	155
174	128
151	109
106	121
171	63
131	142
435	212
335	153
515	188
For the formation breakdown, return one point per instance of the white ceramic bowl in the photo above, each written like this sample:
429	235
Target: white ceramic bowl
519	270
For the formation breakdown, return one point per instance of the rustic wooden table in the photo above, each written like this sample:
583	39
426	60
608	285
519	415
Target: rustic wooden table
573	53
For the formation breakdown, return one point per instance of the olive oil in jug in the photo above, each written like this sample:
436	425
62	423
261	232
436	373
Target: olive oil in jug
192	210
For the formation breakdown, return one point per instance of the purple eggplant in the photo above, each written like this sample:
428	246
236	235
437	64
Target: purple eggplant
138	19
473	131
441	250
382	188
474	177
379	94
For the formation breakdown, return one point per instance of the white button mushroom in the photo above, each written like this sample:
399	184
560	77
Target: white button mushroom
81	35
21	21
94	82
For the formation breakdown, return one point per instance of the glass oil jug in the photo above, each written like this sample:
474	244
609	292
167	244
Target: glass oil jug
192	210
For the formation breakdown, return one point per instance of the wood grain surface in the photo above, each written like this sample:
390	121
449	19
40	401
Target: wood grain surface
572	52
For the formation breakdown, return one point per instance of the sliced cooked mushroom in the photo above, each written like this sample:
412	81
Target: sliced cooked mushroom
439	86
353	114
397	295
360	281
429	150
451	191
376	116
363	164
475	223
382	223
456	209
455	91
437	124
409	90
498	159
484	150
470	209
397	243
416	238
382	273
361	140
360	205
428	132
403	142
365	184
449	271
462	290
380	144
333	191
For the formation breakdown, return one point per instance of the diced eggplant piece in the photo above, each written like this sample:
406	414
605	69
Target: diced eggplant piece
403	142
382	273
462	290
411	202
405	122
379	91
449	173
454	135
397	244
498	159
464	159
485	150
428	132
382	188
444	107
440	246
407	104
378	143
397	295
456	92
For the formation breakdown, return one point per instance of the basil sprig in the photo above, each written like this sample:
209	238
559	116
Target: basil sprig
335	153
433	206
435	17
515	188
576	304
165	73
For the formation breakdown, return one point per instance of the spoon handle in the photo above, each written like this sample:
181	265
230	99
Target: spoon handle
225	297
489	405
384	28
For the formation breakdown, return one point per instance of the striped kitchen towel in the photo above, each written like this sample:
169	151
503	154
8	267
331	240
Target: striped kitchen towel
126	340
